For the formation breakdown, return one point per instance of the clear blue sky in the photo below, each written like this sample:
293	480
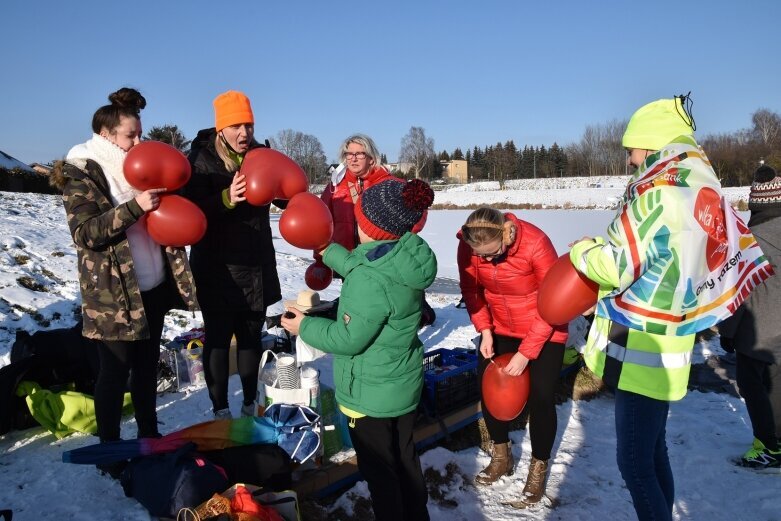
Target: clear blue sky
469	73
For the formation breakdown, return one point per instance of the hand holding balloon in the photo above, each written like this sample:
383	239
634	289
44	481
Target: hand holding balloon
504	396
516	365
237	188
148	200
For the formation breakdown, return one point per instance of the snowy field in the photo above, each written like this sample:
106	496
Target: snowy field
705	430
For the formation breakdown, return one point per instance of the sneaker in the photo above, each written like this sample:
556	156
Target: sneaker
760	457
223	414
248	410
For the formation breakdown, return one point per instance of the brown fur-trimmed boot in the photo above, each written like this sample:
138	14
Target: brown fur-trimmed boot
502	464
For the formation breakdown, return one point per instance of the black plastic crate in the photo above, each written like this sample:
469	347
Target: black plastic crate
449	380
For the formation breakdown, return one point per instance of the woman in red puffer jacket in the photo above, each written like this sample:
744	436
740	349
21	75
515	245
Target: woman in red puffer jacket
502	261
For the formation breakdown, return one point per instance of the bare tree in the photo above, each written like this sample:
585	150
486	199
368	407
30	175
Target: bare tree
304	149
767	126
417	149
600	149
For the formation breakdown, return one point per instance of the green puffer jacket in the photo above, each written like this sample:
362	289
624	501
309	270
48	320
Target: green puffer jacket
378	357
111	300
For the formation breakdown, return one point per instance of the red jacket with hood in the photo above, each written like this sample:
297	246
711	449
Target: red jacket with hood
339	199
501	294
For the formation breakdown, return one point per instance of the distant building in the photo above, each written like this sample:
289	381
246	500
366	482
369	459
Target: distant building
456	169
41	169
399	168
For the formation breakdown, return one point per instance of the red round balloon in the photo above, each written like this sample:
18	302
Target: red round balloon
176	222
261	176
565	293
505	396
154	164
306	222
318	276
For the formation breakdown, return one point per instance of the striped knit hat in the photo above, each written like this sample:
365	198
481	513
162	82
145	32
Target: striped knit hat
389	209
765	190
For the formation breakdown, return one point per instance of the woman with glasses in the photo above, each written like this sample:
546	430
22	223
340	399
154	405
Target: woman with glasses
362	169
234	264
502	261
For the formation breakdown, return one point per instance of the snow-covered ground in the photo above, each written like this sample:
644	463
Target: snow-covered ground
705	430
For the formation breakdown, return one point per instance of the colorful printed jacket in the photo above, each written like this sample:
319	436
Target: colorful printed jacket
111	301
378	357
678	260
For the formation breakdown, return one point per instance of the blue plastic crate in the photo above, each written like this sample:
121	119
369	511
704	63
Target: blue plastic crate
449	380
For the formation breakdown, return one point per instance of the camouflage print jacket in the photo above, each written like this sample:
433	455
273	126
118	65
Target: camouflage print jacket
111	301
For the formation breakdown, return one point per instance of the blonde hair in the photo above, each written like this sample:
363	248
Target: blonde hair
222	151
485	225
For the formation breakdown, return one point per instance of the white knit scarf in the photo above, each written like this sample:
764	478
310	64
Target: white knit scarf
110	158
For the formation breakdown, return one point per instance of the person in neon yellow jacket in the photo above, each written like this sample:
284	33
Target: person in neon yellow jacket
677	260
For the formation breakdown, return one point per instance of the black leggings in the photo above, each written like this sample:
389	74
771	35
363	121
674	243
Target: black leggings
138	359
220	327
544	377
760	385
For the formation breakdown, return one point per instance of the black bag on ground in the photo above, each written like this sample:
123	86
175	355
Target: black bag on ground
53	359
264	465
166	483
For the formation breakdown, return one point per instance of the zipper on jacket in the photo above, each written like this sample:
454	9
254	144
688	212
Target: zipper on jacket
121	280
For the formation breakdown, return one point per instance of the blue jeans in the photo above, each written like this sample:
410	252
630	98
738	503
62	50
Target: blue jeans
642	454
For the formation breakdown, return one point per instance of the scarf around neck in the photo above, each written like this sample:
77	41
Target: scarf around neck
110	158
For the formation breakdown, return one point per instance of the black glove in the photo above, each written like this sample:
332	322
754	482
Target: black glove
728	344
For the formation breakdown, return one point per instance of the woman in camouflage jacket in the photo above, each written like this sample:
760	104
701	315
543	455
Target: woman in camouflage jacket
128	281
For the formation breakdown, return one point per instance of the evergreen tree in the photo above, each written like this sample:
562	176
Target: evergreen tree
457	154
171	135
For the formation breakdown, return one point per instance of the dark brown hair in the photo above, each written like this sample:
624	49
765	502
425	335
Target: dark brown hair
124	102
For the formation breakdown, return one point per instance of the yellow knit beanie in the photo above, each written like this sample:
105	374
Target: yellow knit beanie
232	108
656	124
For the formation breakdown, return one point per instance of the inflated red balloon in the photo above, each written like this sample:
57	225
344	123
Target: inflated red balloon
261	176
306	223
505	396
292	179
154	164
318	276
565	293
176	222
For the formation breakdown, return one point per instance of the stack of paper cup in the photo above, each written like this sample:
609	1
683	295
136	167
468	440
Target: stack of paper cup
287	372
310	379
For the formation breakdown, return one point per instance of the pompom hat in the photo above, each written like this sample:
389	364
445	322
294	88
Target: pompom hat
232	108
389	209
765	190
656	124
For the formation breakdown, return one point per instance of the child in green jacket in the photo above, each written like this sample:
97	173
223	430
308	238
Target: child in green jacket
378	357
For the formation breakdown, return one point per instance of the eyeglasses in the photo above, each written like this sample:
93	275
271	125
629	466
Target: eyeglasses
355	155
490	255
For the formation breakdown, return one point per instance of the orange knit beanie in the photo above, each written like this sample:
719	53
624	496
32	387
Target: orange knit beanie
232	108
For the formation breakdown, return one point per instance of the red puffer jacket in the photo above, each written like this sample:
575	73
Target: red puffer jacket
501	295
340	201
